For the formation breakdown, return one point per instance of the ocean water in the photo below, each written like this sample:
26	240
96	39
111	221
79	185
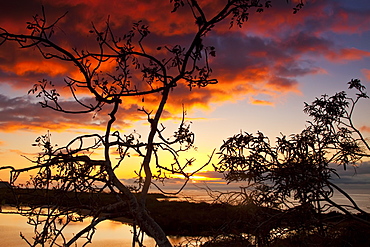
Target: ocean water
108	233
112	233
195	192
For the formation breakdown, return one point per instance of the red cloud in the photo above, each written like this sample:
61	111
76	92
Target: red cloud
265	57
347	54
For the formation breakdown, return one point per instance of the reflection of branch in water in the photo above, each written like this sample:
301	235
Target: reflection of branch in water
89	230
49	224
38	217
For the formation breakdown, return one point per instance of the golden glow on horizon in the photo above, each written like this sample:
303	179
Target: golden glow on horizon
195	178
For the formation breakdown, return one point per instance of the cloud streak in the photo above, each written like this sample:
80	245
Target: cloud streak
23	113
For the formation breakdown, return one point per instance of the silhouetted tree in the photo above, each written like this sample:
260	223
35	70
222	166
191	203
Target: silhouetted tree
135	73
298	170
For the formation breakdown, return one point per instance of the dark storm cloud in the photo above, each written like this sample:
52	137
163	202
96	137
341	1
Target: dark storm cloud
354	175
25	113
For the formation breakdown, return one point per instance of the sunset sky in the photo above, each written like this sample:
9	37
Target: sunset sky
266	71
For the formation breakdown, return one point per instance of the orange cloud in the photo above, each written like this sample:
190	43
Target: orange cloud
51	68
261	102
365	128
55	127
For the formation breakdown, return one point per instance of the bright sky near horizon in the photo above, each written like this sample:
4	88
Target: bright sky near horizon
266	70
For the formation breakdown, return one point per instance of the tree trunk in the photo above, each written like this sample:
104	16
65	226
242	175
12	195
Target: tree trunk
144	220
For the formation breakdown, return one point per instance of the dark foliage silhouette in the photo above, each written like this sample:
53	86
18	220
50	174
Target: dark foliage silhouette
296	174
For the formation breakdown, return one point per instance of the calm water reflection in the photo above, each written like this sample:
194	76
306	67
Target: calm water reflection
109	233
